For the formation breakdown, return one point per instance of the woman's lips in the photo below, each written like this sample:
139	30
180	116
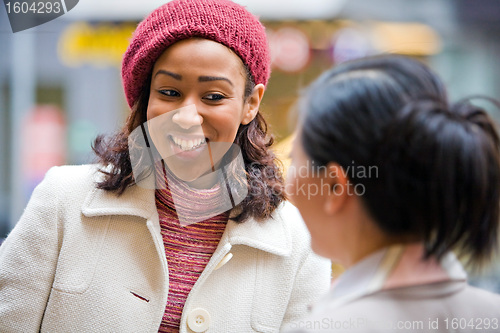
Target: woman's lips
187	143
187	148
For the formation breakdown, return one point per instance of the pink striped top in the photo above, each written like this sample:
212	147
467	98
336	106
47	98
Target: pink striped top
188	248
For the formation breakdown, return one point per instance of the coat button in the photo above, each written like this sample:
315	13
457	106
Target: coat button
198	320
224	261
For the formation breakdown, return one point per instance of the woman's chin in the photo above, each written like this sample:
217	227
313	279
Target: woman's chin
187	172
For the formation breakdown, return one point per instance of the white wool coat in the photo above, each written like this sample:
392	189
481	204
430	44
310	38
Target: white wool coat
85	260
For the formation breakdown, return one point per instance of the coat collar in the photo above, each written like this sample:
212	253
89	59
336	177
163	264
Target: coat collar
395	267
135	201
271	235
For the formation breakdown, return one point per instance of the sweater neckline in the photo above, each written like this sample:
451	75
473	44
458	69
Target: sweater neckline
191	204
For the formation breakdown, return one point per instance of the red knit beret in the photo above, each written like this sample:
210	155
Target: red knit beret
222	21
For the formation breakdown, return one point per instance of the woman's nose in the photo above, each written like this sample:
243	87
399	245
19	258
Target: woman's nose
187	117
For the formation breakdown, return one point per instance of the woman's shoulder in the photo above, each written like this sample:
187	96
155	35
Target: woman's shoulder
69	180
482	298
292	221
70	171
454	298
283	233
291	215
72	175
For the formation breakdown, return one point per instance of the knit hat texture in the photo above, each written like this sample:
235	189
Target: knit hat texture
222	21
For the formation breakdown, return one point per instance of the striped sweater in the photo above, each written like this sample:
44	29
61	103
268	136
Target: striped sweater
188	248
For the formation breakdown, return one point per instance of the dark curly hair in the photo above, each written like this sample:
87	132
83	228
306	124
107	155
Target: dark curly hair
265	180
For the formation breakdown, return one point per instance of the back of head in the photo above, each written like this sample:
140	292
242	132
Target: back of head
437	167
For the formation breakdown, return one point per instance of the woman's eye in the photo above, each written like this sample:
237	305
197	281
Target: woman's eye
169	93
214	97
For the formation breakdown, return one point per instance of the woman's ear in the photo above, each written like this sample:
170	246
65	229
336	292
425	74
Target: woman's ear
338	183
252	104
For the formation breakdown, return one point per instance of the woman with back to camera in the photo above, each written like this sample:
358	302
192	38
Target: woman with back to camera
405	180
103	248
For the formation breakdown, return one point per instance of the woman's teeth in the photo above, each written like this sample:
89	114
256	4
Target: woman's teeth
187	145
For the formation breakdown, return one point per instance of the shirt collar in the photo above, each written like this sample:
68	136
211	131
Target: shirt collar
394	267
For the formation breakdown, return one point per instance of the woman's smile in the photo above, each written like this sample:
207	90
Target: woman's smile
187	149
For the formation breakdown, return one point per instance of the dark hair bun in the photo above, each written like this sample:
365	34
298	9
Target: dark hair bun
447	163
438	167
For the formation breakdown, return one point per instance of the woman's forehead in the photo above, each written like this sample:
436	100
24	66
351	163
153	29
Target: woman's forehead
202	53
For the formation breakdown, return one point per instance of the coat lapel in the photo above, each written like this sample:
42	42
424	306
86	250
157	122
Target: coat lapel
135	201
271	235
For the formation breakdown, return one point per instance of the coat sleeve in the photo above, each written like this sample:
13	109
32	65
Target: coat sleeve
28	259
312	282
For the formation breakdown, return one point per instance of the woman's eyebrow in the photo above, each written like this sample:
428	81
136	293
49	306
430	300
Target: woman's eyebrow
214	78
174	75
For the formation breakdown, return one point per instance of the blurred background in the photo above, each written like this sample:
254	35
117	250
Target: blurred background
60	82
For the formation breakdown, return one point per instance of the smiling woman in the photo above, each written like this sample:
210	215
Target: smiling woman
97	252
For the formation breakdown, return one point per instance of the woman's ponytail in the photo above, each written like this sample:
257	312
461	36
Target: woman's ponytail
449	169
478	116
